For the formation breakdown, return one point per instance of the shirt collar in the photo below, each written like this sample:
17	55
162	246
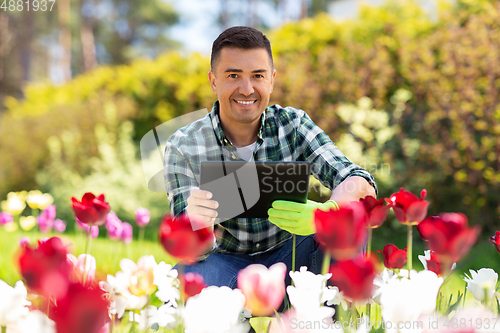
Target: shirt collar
214	114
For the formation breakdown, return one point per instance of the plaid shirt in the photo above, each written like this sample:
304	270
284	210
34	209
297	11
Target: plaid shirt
285	134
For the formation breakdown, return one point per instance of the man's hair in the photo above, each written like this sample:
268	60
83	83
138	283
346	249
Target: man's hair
242	38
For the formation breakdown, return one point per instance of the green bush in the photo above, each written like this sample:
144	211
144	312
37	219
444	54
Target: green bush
116	171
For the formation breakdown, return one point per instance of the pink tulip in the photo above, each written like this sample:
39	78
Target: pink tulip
59	225
46	219
5	218
114	226
50	212
24	241
127	233
44	225
142	216
263	288
81	269
94	231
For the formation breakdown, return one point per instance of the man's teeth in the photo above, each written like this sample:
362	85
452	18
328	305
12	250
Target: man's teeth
245	102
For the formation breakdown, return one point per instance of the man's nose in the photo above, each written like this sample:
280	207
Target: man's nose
246	87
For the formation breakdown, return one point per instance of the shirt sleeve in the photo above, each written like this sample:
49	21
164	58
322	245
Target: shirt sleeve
179	178
329	165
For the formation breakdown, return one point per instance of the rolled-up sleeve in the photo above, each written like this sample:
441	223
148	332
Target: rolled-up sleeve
179	178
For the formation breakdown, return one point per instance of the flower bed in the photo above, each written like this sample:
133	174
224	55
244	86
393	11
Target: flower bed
62	293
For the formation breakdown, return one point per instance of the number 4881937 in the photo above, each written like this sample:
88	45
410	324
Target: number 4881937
33	5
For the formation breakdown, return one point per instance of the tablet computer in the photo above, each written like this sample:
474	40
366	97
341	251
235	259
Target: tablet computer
248	189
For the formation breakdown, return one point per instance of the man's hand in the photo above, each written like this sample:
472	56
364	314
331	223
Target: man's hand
201	209
297	218
352	189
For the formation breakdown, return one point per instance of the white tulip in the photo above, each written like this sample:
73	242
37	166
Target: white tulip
380	282
34	322
308	280
484	280
215	310
307	302
168	285
405	301
13	303
309	293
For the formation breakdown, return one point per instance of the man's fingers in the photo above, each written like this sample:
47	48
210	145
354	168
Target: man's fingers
196	201
283	223
284	214
199	210
202	222
201	194
288	205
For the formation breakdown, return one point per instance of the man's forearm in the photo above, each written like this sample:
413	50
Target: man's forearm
352	189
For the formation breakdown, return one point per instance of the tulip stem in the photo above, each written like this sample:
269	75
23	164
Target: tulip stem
369	247
409	242
293	252
486	298
465	294
146	312
180	276
111	323
48	307
326	263
4	329
353	315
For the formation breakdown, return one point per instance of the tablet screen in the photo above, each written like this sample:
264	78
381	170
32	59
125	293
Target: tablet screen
248	189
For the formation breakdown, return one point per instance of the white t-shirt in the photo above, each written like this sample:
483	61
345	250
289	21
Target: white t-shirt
246	152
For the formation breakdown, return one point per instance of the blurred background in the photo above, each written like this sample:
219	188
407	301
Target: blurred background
407	89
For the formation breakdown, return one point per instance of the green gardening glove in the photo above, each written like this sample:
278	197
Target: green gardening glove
297	218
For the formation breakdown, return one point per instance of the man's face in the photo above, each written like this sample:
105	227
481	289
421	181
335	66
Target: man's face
243	81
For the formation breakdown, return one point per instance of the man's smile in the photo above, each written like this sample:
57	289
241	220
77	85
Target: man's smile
245	103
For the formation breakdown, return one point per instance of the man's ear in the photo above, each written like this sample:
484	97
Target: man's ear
211	78
272	80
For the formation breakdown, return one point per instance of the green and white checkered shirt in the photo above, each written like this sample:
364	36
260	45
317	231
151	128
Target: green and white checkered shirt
285	134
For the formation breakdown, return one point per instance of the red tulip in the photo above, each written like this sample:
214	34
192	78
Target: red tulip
407	207
448	236
193	284
82	310
354	277
375	210
45	268
180	240
342	232
92	210
394	258
496	240
264	288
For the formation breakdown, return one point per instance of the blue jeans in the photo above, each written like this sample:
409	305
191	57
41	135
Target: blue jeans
221	269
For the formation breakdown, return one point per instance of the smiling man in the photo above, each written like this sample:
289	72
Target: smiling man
241	126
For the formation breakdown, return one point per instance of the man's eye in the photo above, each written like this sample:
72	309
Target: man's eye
233	76
259	76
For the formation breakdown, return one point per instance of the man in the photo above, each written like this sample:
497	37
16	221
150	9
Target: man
242	126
